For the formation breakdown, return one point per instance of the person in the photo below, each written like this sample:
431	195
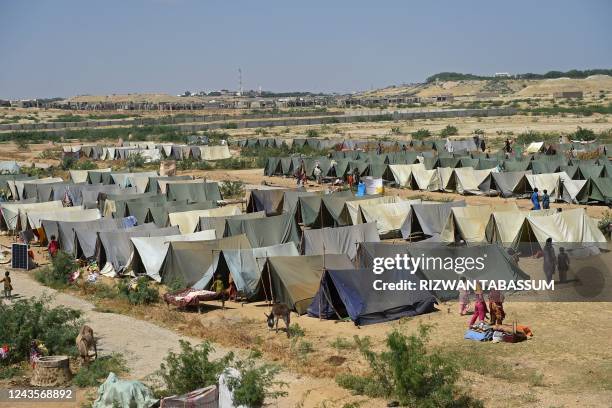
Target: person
514	255
356	176
480	307
448	145
496	306
219	288
559	209
53	246
379	148
318	173
483	147
404	148
563	263
464	298
545	200
507	147
233	290
8	287
549	260
535	200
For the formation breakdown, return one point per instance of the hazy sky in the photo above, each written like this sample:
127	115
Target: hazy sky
69	47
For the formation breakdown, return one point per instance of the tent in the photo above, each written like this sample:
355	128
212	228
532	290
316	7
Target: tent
194	192
388	217
261	232
17	186
504	226
351	215
218	223
81	176
150	252
138	180
245	267
188	261
309	207
63	230
114	250
86	235
469	223
351	292
427	220
188	221
15	215
331	208
268	200
534	147
162	183
517	165
294	280
425	180
61	214
214	152
470	181
9	167
341	240
549	182
402	173
596	190
505	182
572	229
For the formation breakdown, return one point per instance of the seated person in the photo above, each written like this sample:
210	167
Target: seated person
53	246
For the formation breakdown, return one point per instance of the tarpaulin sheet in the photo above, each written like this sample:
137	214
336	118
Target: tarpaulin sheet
261	232
218	223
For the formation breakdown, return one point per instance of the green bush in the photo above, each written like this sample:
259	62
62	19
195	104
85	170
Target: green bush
57	274
30	319
421	134
135	161
232	189
583	134
191	368
251	386
71	163
98	370
449	130
408	372
22	144
312	133
141	294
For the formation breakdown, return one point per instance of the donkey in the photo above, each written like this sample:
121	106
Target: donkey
86	341
279	311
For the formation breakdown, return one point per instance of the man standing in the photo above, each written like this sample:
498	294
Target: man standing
535	200
545	200
550	261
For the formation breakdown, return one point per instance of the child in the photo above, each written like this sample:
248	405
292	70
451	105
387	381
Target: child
480	307
464	298
219	288
545	200
53	246
7	284
563	264
496	306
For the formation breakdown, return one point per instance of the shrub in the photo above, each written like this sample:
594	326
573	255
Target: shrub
232	189
56	276
229	125
25	320
312	133
479	132
191	368
97	371
71	163
139	293
22	144
295	330
176	284
252	384
406	371
449	130
342	344
135	161
583	134
421	134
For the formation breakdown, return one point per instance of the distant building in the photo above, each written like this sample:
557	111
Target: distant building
502	75
568	95
443	98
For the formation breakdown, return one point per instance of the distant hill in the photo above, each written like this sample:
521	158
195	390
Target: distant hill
507	87
574	73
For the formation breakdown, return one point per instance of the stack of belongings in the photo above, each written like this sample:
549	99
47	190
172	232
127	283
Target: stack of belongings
505	333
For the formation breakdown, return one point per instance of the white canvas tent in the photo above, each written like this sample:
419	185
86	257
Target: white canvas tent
388	217
76	213
402	173
351	213
534	147
469	223
151	251
214	152
80	176
14	215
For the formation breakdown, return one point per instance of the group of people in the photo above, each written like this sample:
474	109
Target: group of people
495	308
536	199
552	262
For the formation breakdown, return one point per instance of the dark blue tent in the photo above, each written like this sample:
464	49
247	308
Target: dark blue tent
351	292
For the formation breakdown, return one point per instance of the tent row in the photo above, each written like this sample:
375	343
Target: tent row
151	151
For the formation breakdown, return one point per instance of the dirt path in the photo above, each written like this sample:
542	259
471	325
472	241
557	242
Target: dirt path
144	345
